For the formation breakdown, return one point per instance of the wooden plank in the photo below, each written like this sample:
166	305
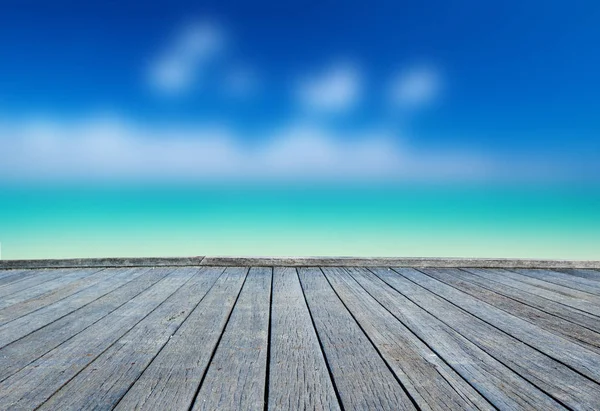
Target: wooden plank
49	286
486	278
237	373
298	375
589	274
34	384
362	378
20	327
561	349
515	280
496	382
33	279
7	276
561	382
172	379
28	303
18	354
104	381
569	281
566	329
428	379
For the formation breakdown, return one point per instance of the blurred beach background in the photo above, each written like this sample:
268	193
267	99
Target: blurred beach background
408	129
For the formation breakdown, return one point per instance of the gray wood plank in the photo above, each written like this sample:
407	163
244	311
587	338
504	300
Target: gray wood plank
505	389
26	303
20	353
104	381
298	376
10	275
49	286
172	379
20	327
487	278
34	384
33	279
428	379
554	378
561	349
569	281
589	274
516	280
237	374
566	329
362	378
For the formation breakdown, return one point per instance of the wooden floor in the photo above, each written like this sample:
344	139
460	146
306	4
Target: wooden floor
287	338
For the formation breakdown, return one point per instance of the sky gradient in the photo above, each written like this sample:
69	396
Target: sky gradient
462	98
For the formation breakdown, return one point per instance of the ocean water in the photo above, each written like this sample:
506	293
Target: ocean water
301	220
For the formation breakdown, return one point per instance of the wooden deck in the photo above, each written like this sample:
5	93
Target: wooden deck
290	338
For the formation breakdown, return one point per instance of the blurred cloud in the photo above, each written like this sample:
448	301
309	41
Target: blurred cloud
241	82
415	87
113	149
179	66
337	89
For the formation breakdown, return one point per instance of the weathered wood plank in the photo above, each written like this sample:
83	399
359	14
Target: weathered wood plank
561	349
362	378
565	280
566	329
172	379
33	279
237	374
34	384
49	286
20	327
104	381
505	389
589	274
554	378
7	276
515	280
298	376
26	301
428	379
485	278
18	354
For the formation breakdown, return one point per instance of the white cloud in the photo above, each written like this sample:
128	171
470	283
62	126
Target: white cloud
335	90
415	88
177	69
118	150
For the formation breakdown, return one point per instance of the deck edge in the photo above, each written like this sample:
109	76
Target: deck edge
301	262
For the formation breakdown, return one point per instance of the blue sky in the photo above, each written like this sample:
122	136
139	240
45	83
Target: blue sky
375	90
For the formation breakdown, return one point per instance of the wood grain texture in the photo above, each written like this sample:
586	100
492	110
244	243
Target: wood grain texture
485	278
583	302
566	329
502	387
582	273
173	377
565	280
428	379
32	299
20	327
32	279
561	349
20	353
50	287
104	381
558	380
362	378
298	373
35	383
237	374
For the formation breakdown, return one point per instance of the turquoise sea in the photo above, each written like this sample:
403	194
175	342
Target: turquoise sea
300	220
